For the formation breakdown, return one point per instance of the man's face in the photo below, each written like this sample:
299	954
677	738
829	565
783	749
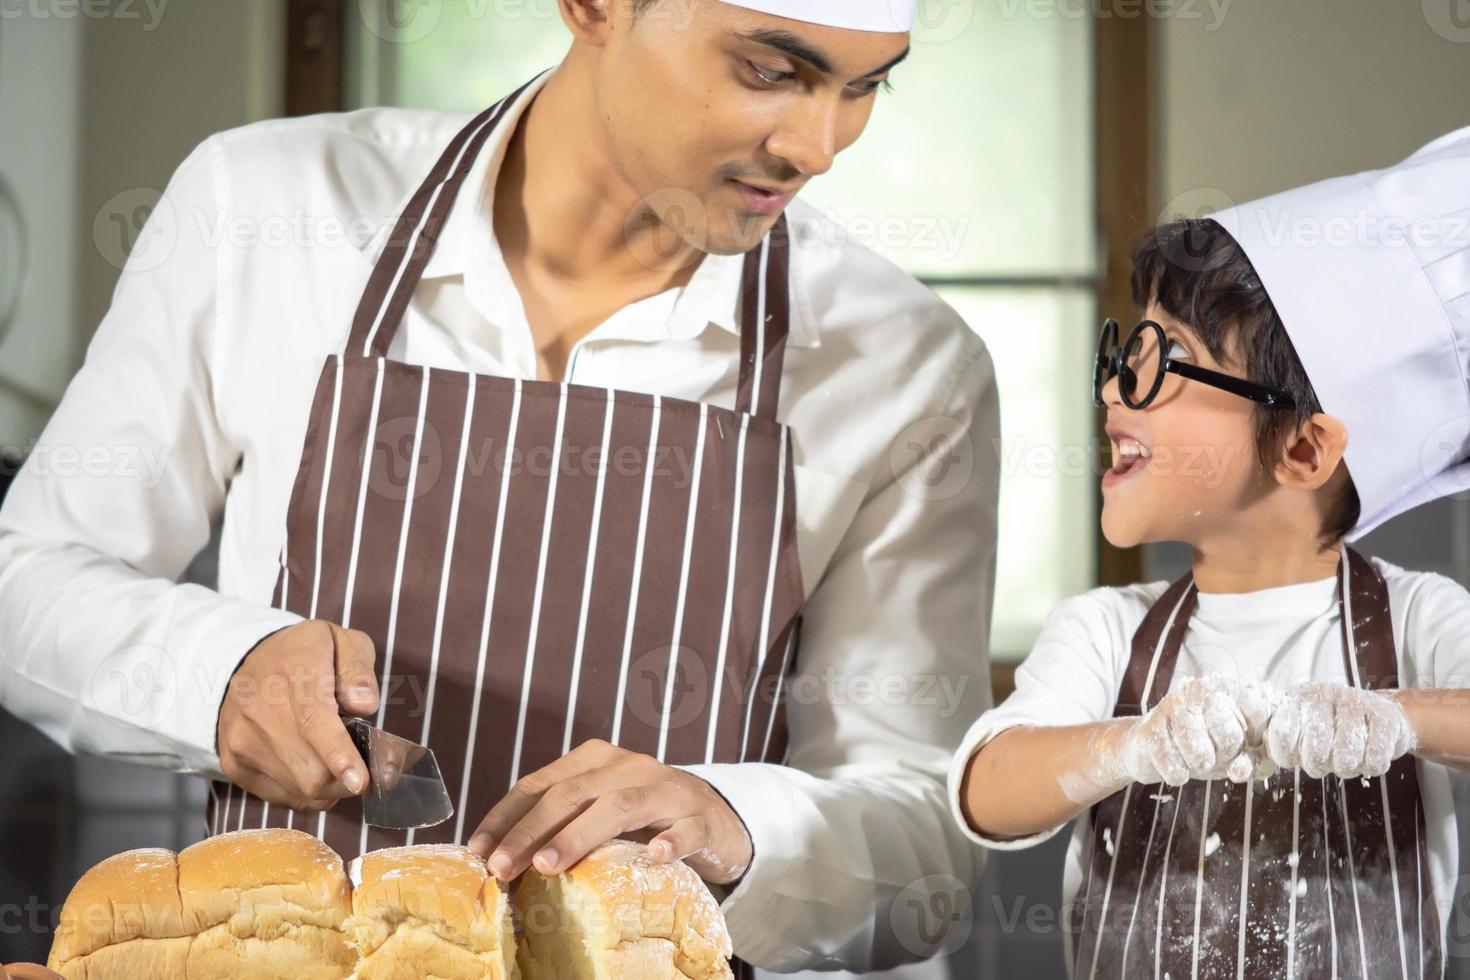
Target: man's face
717	115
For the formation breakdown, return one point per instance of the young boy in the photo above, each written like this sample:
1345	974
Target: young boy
1257	751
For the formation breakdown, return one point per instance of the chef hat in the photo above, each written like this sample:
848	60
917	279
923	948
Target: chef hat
1371	277
890	16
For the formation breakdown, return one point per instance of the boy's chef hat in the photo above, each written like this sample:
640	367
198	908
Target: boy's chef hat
1371	276
889	16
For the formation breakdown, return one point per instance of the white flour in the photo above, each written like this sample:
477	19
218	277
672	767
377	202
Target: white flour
1220	727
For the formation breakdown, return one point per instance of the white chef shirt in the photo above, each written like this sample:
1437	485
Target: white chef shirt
1283	636
193	400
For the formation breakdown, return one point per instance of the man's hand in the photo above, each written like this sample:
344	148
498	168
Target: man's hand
597	792
279	733
1333	728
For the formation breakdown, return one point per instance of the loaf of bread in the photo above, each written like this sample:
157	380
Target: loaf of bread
619	914
271	904
430	910
255	903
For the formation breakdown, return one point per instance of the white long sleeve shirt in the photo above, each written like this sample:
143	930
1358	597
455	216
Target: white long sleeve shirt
193	400
1281	636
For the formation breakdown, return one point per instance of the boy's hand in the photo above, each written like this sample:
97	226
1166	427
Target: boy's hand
1196	732
1333	728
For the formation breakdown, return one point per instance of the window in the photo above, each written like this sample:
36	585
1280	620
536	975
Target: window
976	175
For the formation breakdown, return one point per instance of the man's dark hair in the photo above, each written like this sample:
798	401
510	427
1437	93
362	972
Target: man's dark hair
1197	273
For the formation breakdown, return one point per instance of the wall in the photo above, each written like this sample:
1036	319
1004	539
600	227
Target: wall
40	90
108	106
1277	93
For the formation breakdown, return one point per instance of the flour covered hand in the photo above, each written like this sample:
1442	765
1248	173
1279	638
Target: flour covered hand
1200	731
1325	728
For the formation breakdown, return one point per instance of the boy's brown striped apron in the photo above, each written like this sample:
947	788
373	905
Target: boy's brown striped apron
628	571
1298	877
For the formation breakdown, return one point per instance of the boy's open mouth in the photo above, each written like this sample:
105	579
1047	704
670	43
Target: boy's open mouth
1129	457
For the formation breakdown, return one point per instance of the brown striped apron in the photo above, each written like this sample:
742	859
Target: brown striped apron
1287	877
542	563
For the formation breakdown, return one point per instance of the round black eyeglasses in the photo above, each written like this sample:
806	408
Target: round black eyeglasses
1140	368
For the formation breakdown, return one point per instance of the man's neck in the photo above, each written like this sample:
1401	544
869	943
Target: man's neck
561	205
561	212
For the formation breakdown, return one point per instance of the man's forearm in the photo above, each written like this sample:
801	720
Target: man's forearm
832	857
107	660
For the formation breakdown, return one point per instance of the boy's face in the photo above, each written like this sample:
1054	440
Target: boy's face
1184	467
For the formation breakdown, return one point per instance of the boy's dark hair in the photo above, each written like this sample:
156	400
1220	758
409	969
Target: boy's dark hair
1197	273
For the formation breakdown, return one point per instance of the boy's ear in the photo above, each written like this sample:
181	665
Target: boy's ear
1310	454
588	20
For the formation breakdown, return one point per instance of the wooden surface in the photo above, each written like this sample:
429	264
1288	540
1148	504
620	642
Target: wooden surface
1002	681
1127	192
315	72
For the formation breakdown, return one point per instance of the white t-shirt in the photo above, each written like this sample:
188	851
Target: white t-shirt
1282	636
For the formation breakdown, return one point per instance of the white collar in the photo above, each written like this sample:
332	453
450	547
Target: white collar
467	249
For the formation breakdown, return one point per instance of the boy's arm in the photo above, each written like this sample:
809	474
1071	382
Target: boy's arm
1069	680
1053	749
1030	779
1440	724
1436	647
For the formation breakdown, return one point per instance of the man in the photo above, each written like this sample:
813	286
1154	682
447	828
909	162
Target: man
545	476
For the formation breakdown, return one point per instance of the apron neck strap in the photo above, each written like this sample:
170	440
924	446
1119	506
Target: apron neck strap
765	322
1370	657
765	309
1156	649
405	255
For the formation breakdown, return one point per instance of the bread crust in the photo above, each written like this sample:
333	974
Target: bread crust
430	910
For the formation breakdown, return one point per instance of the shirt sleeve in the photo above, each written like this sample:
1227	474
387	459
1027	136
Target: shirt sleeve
1070	677
892	661
100	647
1436	631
